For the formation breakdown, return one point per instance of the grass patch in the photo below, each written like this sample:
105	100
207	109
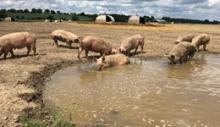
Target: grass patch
53	121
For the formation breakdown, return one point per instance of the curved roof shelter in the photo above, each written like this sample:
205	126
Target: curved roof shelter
105	19
136	20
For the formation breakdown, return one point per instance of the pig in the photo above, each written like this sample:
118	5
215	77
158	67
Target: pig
188	38
131	43
95	44
64	36
181	52
17	41
112	60
201	39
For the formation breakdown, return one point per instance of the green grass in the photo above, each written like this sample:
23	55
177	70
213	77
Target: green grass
57	122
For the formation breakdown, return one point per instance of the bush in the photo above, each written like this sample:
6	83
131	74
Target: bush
50	17
3	14
74	18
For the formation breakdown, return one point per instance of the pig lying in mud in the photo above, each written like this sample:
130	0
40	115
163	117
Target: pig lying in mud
64	36
112	60
17	41
181	53
131	43
95	44
201	39
188	38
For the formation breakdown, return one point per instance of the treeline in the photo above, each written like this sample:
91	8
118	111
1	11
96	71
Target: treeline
40	14
194	21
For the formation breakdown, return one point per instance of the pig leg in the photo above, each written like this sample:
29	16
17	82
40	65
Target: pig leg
70	45
204	47
1	52
12	53
136	49
33	46
28	50
34	49
197	48
56	42
128	53
5	54
86	53
142	48
79	52
101	54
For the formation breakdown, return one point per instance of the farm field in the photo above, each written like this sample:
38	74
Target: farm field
17	87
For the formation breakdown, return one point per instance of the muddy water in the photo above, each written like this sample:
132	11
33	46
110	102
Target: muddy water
145	93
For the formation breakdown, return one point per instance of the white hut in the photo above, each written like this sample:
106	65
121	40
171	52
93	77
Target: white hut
58	21
136	20
105	19
9	19
46	20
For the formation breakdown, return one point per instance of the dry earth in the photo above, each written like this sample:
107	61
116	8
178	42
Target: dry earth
15	74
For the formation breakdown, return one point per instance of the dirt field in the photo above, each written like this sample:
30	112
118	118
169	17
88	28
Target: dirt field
15	73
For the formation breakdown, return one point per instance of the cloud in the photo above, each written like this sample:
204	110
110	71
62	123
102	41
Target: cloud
214	2
199	9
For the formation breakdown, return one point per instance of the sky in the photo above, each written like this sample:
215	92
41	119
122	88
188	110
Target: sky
193	9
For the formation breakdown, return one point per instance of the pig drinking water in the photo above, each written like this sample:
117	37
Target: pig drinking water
181	53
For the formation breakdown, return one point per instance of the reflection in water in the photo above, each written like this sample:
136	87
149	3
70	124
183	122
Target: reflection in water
145	93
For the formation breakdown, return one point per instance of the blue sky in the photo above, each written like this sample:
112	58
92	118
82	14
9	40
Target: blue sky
196	9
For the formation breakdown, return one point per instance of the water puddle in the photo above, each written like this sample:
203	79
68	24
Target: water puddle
145	93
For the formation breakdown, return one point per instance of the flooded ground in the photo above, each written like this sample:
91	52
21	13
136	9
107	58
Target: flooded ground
145	93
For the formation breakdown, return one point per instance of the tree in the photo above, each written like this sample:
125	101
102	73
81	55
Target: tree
58	12
3	14
82	14
66	13
206	21
12	10
52	12
74	18
3	10
26	11
33	10
215	22
17	17
20	11
46	11
152	19
39	11
22	17
50	17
